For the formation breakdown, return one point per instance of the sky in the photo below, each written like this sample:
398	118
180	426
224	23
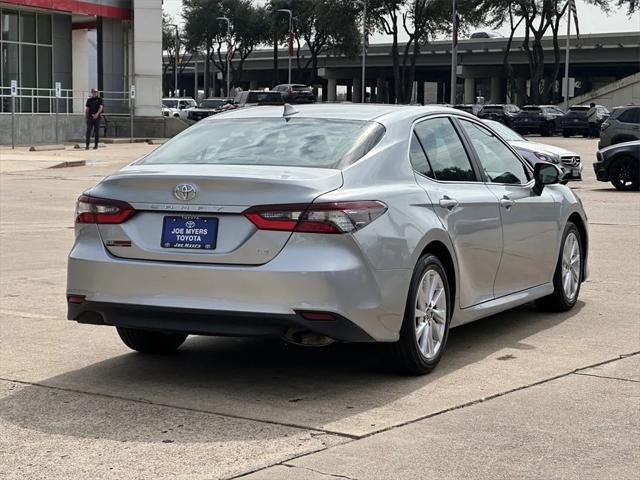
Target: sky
591	18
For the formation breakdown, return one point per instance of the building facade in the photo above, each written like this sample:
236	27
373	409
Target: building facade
108	44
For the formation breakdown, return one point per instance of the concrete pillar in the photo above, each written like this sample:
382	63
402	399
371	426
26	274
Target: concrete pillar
357	90
420	98
381	95
520	92
332	85
253	84
469	90
498	90
80	65
147	65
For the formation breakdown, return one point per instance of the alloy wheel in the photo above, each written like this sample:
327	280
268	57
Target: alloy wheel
431	314
571	266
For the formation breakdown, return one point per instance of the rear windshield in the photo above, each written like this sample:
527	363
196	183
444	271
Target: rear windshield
170	103
579	108
299	142
300	88
530	108
265	97
492	108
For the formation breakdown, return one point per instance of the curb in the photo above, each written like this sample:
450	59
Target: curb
70	163
45	148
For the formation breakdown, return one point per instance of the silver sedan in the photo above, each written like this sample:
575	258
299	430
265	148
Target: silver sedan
322	223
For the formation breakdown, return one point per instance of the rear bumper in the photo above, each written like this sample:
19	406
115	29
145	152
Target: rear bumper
211	322
309	274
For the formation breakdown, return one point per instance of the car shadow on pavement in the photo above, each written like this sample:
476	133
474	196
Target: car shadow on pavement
270	381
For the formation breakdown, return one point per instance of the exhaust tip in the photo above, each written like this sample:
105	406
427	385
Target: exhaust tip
306	338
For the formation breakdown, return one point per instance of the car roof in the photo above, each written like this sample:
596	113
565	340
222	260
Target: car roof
382	113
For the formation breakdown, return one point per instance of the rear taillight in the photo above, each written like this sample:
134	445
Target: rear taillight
335	217
102	210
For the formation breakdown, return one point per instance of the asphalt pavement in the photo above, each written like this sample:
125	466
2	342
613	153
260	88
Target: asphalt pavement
523	394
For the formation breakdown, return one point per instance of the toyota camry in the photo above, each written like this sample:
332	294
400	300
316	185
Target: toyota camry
323	223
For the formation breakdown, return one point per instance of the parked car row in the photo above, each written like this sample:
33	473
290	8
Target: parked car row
546	120
186	107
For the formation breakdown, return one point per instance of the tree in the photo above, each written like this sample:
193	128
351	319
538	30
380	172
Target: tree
539	18
422	20
323	27
249	27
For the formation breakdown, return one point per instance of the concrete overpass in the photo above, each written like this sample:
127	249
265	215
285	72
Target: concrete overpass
597	60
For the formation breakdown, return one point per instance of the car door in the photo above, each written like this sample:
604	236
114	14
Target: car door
530	229
469	212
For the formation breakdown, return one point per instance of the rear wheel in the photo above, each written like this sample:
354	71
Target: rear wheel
568	275
549	130
624	174
566	133
425	327
147	341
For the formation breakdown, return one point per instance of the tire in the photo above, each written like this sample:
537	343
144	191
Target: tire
624	174
146	341
560	300
408	355
566	133
548	130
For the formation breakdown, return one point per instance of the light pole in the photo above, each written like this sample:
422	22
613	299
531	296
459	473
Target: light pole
454	53
228	50
175	65
364	46
286	10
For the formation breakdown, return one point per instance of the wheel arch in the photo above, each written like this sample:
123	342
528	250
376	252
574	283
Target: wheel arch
577	220
440	250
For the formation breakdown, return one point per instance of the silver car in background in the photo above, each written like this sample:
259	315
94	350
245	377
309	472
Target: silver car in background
320	223
534	152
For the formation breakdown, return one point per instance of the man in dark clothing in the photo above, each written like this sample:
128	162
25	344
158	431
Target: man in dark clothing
93	112
592	118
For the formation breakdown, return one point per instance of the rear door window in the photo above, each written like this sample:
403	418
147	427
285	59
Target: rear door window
445	151
418	158
630	116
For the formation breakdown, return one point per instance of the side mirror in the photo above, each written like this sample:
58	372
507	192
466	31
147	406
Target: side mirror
545	174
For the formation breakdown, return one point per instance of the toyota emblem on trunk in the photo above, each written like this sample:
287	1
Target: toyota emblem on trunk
185	191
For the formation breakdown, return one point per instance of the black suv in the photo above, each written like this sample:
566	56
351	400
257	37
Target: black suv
575	122
503	113
295	93
207	107
258	97
542	119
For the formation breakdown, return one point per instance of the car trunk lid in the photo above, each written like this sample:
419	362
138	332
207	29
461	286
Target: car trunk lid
222	193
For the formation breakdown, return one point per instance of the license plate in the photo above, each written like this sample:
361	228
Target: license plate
575	120
190	232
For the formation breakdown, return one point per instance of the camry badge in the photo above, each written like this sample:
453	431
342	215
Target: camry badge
185	192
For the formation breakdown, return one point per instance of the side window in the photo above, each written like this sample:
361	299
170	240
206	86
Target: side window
418	158
445	151
499	163
630	116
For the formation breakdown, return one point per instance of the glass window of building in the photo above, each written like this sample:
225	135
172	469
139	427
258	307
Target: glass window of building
9	25
26	55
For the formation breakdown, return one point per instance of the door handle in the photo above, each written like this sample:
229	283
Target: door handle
448	202
506	202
